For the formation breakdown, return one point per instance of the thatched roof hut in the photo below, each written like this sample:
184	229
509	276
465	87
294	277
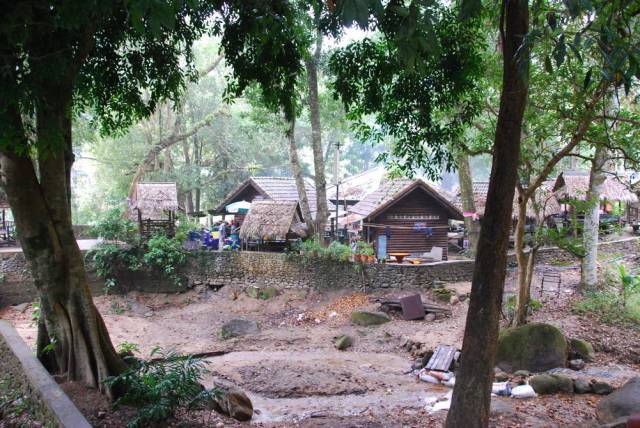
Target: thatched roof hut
574	185
548	204
153	200
272	221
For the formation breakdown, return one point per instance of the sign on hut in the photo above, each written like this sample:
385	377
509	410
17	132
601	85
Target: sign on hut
271	224
154	206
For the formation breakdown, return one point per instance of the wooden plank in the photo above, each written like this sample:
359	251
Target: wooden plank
442	358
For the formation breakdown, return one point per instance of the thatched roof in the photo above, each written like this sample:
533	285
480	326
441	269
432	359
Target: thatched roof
272	221
268	188
575	185
154	198
391	191
547	201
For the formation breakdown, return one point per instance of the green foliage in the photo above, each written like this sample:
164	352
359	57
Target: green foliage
106	257
125	348
113	226
165	254
562	238
424	106
629	284
312	249
338	251
364	248
510	305
159	387
606	305
16	409
185	225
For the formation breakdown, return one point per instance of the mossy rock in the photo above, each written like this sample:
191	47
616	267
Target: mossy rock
253	291
268	293
442	294
343	342
535	347
582	349
365	318
565	383
544	384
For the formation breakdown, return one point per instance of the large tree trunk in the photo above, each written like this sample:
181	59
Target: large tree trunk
471	225
471	400
589	263
316	137
187	161
69	321
297	174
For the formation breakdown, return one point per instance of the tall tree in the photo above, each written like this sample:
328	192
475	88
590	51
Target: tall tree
118	59
591	228
471	224
471	399
296	169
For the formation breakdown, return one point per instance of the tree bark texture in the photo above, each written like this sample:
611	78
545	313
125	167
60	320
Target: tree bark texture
316	137
69	322
299	178
589	263
471	399
468	202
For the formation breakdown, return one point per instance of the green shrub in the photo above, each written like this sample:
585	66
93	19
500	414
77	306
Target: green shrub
185	225
113	226
159	387
105	257
608	308
364	248
338	251
165	254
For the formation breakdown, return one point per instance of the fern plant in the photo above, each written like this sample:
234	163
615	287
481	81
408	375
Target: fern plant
161	386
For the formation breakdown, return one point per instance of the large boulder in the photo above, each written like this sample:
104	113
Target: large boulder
535	347
582	349
238	327
369	318
622	403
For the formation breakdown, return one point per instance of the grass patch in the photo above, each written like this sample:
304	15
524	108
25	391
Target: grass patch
607	306
15	408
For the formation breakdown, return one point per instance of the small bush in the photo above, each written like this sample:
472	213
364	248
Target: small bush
165	254
185	225
113	226
608	308
159	387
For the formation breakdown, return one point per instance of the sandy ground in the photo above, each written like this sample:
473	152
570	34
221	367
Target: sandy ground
295	376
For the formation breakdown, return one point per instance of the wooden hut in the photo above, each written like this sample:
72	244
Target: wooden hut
271	224
412	216
154	207
574	185
281	189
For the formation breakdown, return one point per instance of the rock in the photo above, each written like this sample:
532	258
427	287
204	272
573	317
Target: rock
582	349
238	327
148	314
601	388
463	297
343	342
430	317
522	373
268	293
442	294
454	300
21	307
232	402
501	377
576	364
544	384
582	386
623	402
535	347
365	318
565	383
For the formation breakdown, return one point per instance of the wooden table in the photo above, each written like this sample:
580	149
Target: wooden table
399	256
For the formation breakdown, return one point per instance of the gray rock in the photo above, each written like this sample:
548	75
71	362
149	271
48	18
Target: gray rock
576	364
565	384
365	318
582	350
21	307
535	347
343	342
544	384
601	388
582	386
523	373
621	403
500	376
232	402
430	317
238	327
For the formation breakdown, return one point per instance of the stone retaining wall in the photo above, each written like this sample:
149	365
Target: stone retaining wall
275	269
22	371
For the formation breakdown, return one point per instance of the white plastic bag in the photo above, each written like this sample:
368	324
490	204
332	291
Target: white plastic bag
450	383
523	391
428	378
498	386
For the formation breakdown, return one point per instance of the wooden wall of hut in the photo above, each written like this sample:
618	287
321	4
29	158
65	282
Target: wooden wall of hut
416	207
